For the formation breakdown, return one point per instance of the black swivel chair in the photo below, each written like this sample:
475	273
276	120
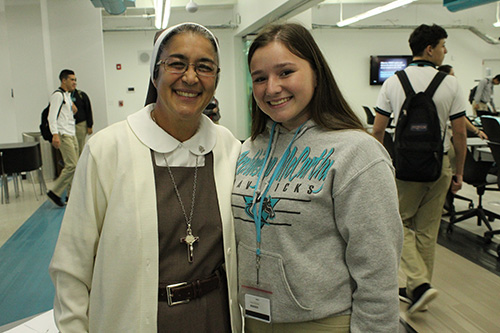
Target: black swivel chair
476	174
449	203
389	144
370	117
491	127
495	151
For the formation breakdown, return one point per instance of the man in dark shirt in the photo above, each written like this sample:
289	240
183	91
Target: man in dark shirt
83	117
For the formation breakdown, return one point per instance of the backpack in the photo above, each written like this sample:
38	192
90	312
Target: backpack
472	94
44	125
418	146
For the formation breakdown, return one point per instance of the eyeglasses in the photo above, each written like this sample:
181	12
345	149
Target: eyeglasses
178	66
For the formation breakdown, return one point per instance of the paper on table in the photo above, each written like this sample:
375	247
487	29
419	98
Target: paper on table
43	323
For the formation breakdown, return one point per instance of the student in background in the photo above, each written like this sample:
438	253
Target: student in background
421	203
62	127
315	203
83	117
484	96
212	110
448	69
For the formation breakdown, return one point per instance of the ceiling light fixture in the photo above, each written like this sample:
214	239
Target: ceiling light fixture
192	6
166	14
497	23
373	12
162	13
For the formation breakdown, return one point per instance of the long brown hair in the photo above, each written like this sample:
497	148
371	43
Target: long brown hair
328	108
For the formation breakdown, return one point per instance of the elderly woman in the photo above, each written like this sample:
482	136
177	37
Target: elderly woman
147	242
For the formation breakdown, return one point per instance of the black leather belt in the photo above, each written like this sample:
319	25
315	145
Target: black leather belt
180	293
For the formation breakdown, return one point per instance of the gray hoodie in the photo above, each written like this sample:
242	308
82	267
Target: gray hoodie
331	234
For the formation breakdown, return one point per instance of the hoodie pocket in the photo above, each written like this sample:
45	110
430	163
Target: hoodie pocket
285	307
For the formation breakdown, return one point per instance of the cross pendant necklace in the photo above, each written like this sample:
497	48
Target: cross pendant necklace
189	239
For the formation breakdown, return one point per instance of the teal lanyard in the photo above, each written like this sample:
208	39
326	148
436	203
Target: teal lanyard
257	208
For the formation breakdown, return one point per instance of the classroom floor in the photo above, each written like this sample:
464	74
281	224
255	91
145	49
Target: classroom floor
467	272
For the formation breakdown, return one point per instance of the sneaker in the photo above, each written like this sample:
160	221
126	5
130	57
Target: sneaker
422	296
403	297
55	199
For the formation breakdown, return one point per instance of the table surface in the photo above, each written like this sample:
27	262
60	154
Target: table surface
477	142
5	146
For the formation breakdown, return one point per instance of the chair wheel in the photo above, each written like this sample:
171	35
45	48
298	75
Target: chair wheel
471	205
487	237
491	218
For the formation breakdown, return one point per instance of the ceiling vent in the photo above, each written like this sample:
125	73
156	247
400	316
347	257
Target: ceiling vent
456	5
113	7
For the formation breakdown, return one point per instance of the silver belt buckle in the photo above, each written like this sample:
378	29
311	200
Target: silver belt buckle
169	294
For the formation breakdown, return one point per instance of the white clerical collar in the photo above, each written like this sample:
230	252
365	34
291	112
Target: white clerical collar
153	136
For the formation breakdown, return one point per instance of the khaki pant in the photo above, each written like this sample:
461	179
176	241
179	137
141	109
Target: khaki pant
483	107
69	153
81	135
421	206
338	324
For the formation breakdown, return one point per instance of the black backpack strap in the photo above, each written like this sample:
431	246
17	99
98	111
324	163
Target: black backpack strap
60	107
403	78
431	89
436	81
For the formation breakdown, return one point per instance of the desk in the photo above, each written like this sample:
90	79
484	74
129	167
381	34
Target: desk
17	145
476	142
20	157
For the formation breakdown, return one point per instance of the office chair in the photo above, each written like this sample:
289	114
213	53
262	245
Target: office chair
495	151
389	144
476	174
370	117
491	126
449	203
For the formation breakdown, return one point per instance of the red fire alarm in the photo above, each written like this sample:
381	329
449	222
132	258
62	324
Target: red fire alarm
120	103
118	66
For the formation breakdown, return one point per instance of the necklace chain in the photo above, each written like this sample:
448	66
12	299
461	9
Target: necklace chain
189	239
188	220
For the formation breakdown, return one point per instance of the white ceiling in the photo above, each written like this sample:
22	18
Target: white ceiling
223	13
183	3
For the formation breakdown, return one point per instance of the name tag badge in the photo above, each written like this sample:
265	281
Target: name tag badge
257	303
258	308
